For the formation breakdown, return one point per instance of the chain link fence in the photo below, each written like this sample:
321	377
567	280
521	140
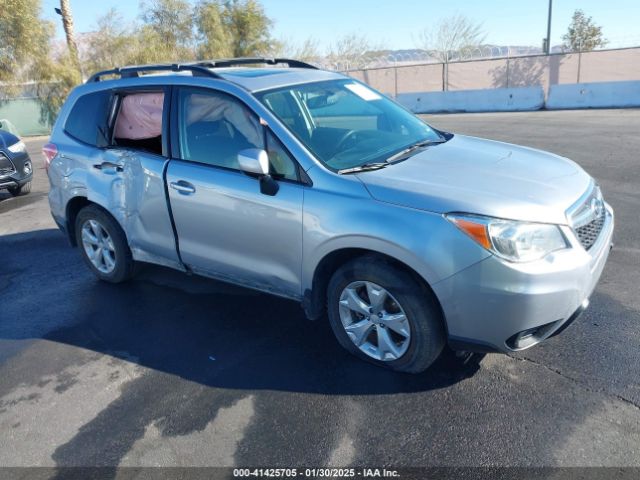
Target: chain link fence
413	71
420	57
514	69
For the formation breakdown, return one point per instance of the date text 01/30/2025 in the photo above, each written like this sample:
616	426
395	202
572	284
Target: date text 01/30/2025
315	472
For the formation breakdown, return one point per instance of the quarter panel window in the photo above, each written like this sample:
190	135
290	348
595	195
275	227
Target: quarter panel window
88	118
281	165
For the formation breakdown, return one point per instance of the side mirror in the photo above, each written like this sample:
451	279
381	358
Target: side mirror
256	161
318	101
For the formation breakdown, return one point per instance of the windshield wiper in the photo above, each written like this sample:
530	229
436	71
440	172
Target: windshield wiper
364	167
402	153
393	158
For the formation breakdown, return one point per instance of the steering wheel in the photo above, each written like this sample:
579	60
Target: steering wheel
348	136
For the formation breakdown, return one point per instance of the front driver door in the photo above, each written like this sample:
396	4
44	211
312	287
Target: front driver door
226	227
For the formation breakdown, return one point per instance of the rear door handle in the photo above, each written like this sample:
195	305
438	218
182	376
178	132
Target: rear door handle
108	165
185	188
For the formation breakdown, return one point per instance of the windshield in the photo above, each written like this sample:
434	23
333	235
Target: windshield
345	123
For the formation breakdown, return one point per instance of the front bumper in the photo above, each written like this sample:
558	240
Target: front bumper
499	306
17	177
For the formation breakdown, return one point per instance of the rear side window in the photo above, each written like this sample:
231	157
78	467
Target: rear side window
87	120
139	122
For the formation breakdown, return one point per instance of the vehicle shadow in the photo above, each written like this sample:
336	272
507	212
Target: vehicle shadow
9	202
201	330
231	370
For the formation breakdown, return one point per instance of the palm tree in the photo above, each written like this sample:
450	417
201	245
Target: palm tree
67	23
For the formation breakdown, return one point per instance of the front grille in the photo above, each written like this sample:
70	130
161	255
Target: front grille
588	234
587	217
6	167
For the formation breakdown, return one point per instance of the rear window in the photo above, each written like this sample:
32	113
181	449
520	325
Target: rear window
87	120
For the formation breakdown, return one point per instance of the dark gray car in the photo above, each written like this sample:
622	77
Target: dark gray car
16	169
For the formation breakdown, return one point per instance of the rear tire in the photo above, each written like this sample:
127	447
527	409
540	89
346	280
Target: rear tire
20	190
103	245
411	346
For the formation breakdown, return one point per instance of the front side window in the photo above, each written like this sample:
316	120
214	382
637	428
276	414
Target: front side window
215	127
346	124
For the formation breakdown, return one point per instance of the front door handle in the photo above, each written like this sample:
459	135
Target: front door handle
185	188
109	166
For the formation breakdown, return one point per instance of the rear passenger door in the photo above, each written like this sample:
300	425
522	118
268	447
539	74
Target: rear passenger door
129	172
226	227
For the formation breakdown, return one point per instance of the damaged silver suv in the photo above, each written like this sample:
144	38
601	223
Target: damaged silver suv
310	185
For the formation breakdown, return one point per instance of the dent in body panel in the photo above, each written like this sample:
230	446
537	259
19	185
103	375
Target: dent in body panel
135	197
58	195
140	198
67	180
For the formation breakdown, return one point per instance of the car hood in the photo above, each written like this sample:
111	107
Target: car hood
7	139
485	177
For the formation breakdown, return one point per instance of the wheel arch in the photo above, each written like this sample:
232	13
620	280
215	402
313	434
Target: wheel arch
73	207
314	303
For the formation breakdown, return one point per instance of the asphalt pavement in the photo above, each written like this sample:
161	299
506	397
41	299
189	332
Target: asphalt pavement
176	370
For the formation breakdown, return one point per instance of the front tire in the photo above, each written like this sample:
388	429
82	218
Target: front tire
103	245
21	190
382	314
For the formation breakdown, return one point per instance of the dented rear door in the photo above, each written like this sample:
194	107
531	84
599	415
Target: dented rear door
131	182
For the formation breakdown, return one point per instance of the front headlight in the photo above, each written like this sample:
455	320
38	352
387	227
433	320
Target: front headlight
514	241
18	147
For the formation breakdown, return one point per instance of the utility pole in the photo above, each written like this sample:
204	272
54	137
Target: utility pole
547	43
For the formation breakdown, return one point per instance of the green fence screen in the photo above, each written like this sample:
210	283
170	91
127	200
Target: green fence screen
24	115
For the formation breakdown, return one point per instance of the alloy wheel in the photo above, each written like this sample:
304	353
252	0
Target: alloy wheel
374	321
98	246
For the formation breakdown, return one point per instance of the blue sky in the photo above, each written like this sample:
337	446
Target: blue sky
396	23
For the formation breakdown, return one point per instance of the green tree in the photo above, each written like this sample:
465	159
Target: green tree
115	43
24	39
170	30
232	28
213	38
249	26
167	29
56	77
25	54
583	34
112	44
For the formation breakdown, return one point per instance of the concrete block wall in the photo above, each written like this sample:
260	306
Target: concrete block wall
564	96
594	95
487	100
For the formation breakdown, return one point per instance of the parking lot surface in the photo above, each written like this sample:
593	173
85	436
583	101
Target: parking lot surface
176	370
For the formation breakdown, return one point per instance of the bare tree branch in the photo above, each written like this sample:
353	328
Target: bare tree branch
450	36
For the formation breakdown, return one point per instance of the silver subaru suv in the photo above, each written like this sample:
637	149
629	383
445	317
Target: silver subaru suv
310	185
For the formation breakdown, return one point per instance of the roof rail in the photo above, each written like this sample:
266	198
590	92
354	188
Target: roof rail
230	62
199	68
196	69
